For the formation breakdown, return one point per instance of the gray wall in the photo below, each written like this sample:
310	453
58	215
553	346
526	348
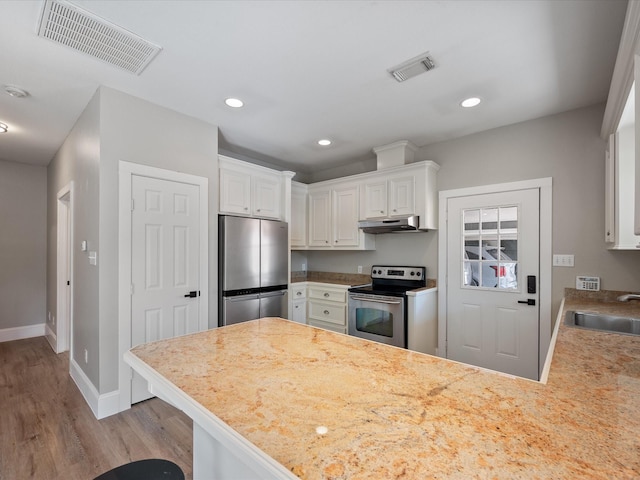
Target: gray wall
78	160
566	147
23	243
115	127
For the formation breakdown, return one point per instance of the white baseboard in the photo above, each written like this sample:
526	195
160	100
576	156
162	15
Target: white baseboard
101	405
51	337
19	333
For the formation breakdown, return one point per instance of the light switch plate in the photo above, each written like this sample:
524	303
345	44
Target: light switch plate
563	260
93	258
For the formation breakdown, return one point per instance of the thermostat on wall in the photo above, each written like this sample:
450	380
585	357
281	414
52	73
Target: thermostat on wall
588	283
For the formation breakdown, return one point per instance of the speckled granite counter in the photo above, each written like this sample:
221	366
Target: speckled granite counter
340	278
392	413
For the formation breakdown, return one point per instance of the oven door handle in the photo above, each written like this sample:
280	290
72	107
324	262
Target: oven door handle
363	299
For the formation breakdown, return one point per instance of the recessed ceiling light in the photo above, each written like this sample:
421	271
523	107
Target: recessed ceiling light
324	142
15	91
470	102
234	102
3	128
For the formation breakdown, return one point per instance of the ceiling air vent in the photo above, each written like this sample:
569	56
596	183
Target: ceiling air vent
81	30
411	68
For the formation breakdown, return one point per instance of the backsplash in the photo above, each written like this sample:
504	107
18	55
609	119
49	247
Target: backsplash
599	296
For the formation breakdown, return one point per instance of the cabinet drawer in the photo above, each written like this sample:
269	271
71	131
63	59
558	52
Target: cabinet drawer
327	312
327	294
298	291
328	326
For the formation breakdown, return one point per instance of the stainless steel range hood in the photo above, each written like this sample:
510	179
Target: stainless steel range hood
390	225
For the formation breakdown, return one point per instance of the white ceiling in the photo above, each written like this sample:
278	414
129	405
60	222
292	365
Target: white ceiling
314	69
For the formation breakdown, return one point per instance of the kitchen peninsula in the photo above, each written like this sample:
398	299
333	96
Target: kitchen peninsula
289	400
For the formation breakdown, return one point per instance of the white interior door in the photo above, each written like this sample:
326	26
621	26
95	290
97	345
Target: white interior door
165	248
493	265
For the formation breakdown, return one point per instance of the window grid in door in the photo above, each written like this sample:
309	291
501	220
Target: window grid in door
490	248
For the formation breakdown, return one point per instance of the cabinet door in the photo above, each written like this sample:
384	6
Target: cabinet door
402	196
320	218
235	192
375	200
298	225
345	217
266	193
299	311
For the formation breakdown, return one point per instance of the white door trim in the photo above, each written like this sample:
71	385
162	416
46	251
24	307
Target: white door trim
64	264
545	187
126	171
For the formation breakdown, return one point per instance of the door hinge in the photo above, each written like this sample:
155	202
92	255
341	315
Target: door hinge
68	282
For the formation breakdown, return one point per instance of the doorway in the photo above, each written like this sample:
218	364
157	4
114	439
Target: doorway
163	278
495	277
64	268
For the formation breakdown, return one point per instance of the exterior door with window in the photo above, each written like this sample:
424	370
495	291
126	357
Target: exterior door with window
492	281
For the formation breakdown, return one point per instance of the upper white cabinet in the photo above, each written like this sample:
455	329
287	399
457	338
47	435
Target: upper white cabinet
402	191
333	217
251	190
298	224
620	173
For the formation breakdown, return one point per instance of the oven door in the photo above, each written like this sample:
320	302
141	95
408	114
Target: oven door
377	317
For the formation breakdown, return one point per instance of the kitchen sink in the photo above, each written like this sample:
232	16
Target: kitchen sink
605	323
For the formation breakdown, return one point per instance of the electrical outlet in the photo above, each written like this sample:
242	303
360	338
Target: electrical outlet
359	268
86	356
563	260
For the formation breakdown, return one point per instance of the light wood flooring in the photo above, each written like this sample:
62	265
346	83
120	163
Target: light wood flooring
47	430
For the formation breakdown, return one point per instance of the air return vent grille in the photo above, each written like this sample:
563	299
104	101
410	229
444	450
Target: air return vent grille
415	66
74	27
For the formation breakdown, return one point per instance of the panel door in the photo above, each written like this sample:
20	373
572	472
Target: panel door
374	204
402	196
492	250
265	195
235	192
165	263
345	217
320	218
298	224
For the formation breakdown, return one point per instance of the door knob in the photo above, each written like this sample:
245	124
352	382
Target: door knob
192	294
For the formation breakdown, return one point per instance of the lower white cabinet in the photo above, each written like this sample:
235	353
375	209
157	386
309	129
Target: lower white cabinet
327	306
298	311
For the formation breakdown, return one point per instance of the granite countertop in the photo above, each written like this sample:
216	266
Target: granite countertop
393	413
351	279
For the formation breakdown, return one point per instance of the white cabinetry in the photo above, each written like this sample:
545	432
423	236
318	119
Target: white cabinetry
299	302
251	190
327	306
400	192
333	217
298	225
619	190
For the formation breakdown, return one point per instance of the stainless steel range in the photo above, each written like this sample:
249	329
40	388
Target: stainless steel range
379	311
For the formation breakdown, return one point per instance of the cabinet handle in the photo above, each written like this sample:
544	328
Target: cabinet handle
381	211
298	293
326	312
326	294
258	210
246	208
395	210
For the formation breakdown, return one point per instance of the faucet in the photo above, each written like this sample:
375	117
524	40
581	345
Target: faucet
629	296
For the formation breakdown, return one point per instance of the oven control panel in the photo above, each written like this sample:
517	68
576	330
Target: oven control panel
398	273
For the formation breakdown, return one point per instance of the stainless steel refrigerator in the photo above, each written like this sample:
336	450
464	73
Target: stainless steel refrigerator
253	269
